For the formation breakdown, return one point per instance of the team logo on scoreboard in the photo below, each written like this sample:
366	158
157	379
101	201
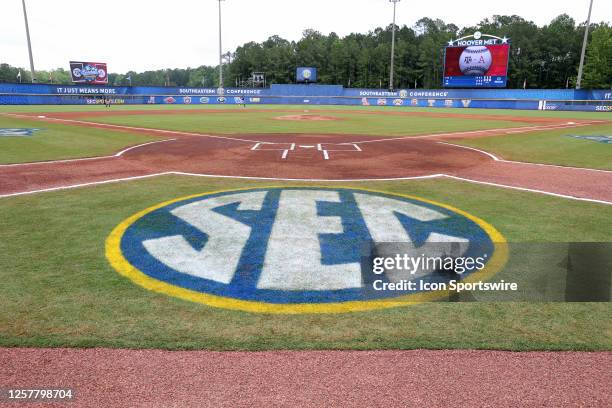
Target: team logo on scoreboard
478	60
291	249
398	102
475	61
466	103
204	99
169	99
403	93
187	100
381	101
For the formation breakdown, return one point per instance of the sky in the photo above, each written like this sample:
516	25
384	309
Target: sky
146	34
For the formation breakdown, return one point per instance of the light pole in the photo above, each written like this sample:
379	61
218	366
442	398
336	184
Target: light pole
220	51
584	46
392	46
25	18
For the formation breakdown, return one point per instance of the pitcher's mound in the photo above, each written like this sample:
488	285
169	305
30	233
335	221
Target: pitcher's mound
305	117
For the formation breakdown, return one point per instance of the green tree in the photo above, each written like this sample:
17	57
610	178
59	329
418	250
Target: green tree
598	66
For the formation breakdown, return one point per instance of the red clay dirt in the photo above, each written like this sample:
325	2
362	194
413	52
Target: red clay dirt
386	379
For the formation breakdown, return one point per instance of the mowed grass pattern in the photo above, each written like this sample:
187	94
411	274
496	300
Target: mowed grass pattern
57	288
311	108
552	147
57	141
239	122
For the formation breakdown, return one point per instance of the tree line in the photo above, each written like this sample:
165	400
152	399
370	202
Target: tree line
540	57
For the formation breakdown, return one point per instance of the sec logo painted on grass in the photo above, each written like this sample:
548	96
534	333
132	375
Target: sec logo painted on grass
17	131
288	249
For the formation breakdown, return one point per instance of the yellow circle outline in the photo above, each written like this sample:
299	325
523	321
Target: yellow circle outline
123	267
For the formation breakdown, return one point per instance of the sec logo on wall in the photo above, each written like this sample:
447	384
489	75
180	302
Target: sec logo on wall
288	249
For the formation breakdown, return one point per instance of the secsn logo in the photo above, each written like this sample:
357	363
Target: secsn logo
288	249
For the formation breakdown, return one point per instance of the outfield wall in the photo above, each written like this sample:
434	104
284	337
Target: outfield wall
531	99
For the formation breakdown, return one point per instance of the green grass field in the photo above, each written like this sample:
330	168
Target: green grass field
58	289
317	108
57	141
551	147
263	122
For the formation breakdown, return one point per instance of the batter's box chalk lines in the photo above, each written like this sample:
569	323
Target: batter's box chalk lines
324	148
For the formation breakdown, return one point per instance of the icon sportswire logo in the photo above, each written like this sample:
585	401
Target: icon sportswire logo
287	249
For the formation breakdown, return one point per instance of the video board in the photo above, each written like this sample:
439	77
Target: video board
476	62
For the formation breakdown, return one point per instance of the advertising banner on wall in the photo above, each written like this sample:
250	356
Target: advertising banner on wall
478	61
89	72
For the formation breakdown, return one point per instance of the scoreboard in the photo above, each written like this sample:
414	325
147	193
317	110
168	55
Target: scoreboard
475	81
476	62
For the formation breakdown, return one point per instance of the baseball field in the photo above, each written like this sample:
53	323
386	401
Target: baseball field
108	214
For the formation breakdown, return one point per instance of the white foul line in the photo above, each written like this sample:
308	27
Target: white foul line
175	132
119	154
521	129
531	190
431	176
72	186
499	159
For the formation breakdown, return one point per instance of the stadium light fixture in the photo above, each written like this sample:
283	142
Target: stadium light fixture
27	28
392	46
584	46
220	51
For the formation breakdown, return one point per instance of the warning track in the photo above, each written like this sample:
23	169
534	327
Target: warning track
155	378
